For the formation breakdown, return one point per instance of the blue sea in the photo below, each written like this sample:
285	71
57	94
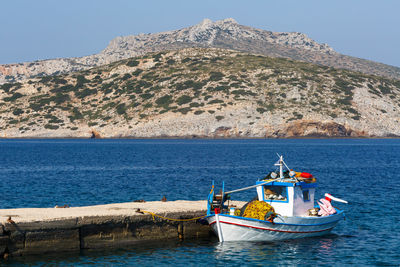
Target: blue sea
365	172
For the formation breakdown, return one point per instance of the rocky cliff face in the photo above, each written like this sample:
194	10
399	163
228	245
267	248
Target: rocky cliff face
202	92
226	34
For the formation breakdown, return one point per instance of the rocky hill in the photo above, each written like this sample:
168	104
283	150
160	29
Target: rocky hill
227	34
202	92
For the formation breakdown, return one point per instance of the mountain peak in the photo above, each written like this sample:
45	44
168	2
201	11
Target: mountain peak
228	20
205	22
207	30
225	33
208	22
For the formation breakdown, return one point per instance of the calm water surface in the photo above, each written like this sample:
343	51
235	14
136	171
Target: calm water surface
43	173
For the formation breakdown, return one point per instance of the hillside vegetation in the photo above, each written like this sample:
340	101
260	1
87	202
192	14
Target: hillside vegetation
202	92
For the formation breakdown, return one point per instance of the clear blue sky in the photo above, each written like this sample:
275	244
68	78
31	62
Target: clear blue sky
42	29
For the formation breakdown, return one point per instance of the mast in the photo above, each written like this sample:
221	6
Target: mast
280	164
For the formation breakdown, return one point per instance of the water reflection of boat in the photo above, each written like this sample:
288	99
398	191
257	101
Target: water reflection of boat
261	253
284	209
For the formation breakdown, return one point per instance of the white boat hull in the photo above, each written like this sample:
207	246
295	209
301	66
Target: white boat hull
235	228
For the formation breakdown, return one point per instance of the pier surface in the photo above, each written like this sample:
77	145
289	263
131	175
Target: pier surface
44	230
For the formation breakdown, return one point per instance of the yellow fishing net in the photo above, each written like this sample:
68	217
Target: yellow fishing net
257	210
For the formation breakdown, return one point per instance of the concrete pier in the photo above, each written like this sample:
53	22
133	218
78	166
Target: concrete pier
43	230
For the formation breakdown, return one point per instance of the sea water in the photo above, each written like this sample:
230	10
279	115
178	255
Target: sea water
365	172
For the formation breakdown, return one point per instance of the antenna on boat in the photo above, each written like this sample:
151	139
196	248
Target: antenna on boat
282	163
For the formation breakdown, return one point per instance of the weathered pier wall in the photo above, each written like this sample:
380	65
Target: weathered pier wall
39	231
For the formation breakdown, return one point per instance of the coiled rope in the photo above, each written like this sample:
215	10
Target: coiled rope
166	218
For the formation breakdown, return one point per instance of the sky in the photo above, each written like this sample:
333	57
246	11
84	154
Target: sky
43	29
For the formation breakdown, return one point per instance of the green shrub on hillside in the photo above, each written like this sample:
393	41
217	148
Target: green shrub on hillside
126	76
76	115
18	111
14	97
261	110
137	72
215	101
297	115
7	86
85	92
235	84
280	81
51	126
221	88
170	61
148	105
184	99
352	110
55	120
150	75
35	106
158	56
46	79
106	87
183	110
132	63
190	84
146	96
195	104
58	80
216	76
144	84
164	101
384	89
80	81
344	86
63	89
206	97
243	92
60	98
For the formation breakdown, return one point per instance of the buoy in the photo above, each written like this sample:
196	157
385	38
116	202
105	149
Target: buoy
306	175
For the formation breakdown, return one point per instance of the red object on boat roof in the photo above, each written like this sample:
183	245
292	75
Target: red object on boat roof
306	175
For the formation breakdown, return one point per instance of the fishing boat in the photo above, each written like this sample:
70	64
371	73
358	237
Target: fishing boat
283	209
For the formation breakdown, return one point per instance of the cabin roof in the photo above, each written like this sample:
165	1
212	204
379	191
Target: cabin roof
290	184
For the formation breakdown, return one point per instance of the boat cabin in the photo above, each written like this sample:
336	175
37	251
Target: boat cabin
290	194
288	197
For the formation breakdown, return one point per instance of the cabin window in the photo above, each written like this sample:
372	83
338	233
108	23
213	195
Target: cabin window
275	193
306	195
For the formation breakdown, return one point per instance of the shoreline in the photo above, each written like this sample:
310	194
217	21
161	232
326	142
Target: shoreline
198	138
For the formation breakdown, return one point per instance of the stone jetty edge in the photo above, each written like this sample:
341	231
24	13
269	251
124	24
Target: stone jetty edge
50	230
